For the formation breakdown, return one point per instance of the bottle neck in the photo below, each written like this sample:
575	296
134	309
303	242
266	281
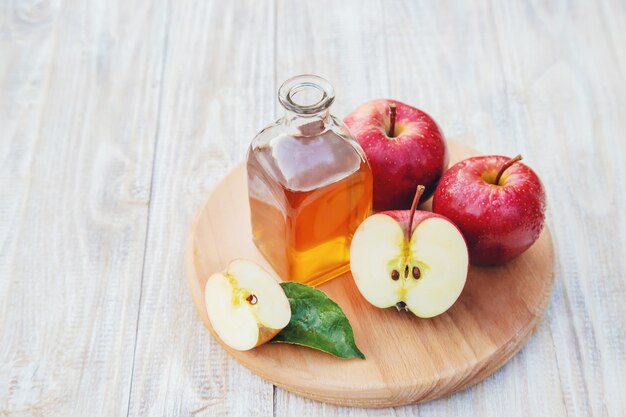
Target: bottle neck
308	125
306	99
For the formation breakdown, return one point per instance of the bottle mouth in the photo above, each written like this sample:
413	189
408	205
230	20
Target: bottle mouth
306	94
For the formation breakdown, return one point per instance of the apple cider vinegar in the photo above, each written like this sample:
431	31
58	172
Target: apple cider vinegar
310	186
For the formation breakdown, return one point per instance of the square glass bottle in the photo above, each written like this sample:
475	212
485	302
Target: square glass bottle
309	185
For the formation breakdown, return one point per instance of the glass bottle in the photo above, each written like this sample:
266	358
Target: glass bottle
309	185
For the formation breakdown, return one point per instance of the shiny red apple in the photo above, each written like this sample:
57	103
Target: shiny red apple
498	203
405	148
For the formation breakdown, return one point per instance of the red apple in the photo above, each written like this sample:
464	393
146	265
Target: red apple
498	203
405	148
415	260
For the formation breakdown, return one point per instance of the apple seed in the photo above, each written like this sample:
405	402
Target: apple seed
416	272
252	299
395	275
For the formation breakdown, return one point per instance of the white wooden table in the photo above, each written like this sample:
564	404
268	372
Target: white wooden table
117	116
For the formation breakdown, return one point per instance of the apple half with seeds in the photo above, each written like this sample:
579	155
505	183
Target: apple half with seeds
412	259
246	305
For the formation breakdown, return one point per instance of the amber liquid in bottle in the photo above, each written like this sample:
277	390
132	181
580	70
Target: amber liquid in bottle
308	194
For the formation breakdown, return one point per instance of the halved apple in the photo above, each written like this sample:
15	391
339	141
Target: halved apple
416	260
246	305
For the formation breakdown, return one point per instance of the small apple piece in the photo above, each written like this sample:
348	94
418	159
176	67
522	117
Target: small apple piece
498	203
412	259
404	147
246	305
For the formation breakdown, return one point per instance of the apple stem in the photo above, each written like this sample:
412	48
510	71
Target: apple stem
506	166
392	120
418	194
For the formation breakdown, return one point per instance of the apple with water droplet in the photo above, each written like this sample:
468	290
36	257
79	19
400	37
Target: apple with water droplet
404	147
498	203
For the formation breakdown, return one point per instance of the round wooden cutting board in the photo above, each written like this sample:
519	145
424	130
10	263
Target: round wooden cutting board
408	359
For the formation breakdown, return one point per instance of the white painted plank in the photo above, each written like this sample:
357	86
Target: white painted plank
507	78
218	91
344	46
79	83
80	95
564	73
458	54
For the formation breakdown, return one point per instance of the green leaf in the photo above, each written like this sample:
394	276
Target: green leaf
317	322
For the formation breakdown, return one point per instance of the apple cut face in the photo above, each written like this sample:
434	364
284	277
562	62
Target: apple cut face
378	248
246	305
439	246
427	273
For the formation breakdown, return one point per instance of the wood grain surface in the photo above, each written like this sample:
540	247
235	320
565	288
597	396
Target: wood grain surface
408	360
117	117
